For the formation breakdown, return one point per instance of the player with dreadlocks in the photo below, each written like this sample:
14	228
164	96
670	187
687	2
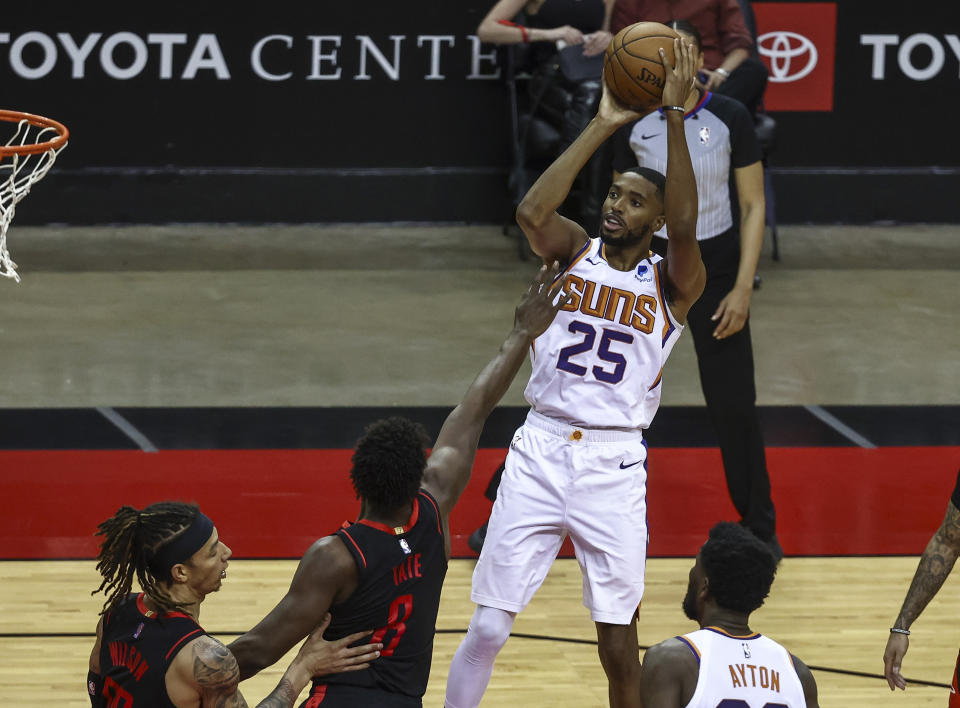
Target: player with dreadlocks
150	649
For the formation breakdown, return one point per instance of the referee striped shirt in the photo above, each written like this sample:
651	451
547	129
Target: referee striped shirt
720	137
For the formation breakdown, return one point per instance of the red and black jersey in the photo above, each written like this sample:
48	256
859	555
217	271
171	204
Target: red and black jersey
136	647
401	572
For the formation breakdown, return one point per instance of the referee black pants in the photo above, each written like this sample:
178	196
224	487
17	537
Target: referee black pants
726	377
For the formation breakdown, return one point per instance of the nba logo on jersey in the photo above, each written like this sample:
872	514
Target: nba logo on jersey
746	650
136	634
91	688
704	135
405	546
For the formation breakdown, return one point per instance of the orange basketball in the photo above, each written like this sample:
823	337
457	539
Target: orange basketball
632	68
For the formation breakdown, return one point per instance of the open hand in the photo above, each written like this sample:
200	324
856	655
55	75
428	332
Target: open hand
896	649
567	35
320	657
613	110
596	43
680	77
714	79
543	299
732	312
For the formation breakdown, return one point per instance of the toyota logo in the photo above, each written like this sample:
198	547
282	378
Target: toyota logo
786	50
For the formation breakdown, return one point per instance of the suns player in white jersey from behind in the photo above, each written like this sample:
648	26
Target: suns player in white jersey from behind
577	466
725	664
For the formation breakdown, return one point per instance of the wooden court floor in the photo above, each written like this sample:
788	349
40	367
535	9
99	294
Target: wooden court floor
832	612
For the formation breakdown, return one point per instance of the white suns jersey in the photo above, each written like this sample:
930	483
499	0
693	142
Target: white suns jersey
600	362
743	672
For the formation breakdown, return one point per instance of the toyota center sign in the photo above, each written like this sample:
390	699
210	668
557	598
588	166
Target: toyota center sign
796	41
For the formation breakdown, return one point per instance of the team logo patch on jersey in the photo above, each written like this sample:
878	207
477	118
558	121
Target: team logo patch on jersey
704	135
405	546
746	650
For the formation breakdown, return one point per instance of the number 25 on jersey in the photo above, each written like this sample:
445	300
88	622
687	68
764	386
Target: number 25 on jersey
571	358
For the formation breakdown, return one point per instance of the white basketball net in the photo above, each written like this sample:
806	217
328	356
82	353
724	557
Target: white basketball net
18	173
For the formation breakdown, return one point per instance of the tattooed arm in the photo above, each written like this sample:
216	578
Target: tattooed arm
214	676
935	565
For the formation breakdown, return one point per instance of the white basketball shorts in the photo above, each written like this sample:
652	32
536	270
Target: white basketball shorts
561	480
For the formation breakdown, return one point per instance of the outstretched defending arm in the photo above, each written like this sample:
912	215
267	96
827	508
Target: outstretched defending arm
326	575
448	469
935	565
208	668
686	274
551	236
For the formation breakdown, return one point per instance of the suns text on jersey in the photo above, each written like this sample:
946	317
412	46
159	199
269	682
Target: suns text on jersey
605	302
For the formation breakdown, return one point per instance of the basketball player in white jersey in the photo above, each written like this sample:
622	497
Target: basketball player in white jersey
725	664
577	466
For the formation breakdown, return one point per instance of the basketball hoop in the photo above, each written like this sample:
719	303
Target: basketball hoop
25	159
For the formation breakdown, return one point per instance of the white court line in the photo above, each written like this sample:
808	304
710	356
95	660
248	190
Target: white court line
841	427
127	428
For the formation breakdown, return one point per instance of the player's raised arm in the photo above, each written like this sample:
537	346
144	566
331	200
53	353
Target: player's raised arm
326	574
686	274
448	469
551	236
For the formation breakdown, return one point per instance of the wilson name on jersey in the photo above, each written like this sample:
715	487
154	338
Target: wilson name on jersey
743	672
600	362
137	646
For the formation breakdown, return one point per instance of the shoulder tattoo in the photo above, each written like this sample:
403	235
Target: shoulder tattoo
214	667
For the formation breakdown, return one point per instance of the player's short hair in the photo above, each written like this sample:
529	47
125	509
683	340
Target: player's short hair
388	462
687	27
739	567
658	179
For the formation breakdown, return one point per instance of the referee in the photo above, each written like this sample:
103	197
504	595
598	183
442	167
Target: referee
726	162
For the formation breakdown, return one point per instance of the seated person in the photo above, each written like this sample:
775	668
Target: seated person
566	91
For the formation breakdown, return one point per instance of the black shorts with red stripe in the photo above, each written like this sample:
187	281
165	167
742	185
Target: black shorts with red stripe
341	696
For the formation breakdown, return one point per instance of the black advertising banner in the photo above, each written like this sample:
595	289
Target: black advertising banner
386	111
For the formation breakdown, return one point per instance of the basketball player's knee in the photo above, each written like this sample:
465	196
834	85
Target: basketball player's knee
489	630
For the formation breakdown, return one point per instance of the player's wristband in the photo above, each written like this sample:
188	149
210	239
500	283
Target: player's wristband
674	108
723	72
523	30
896	630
